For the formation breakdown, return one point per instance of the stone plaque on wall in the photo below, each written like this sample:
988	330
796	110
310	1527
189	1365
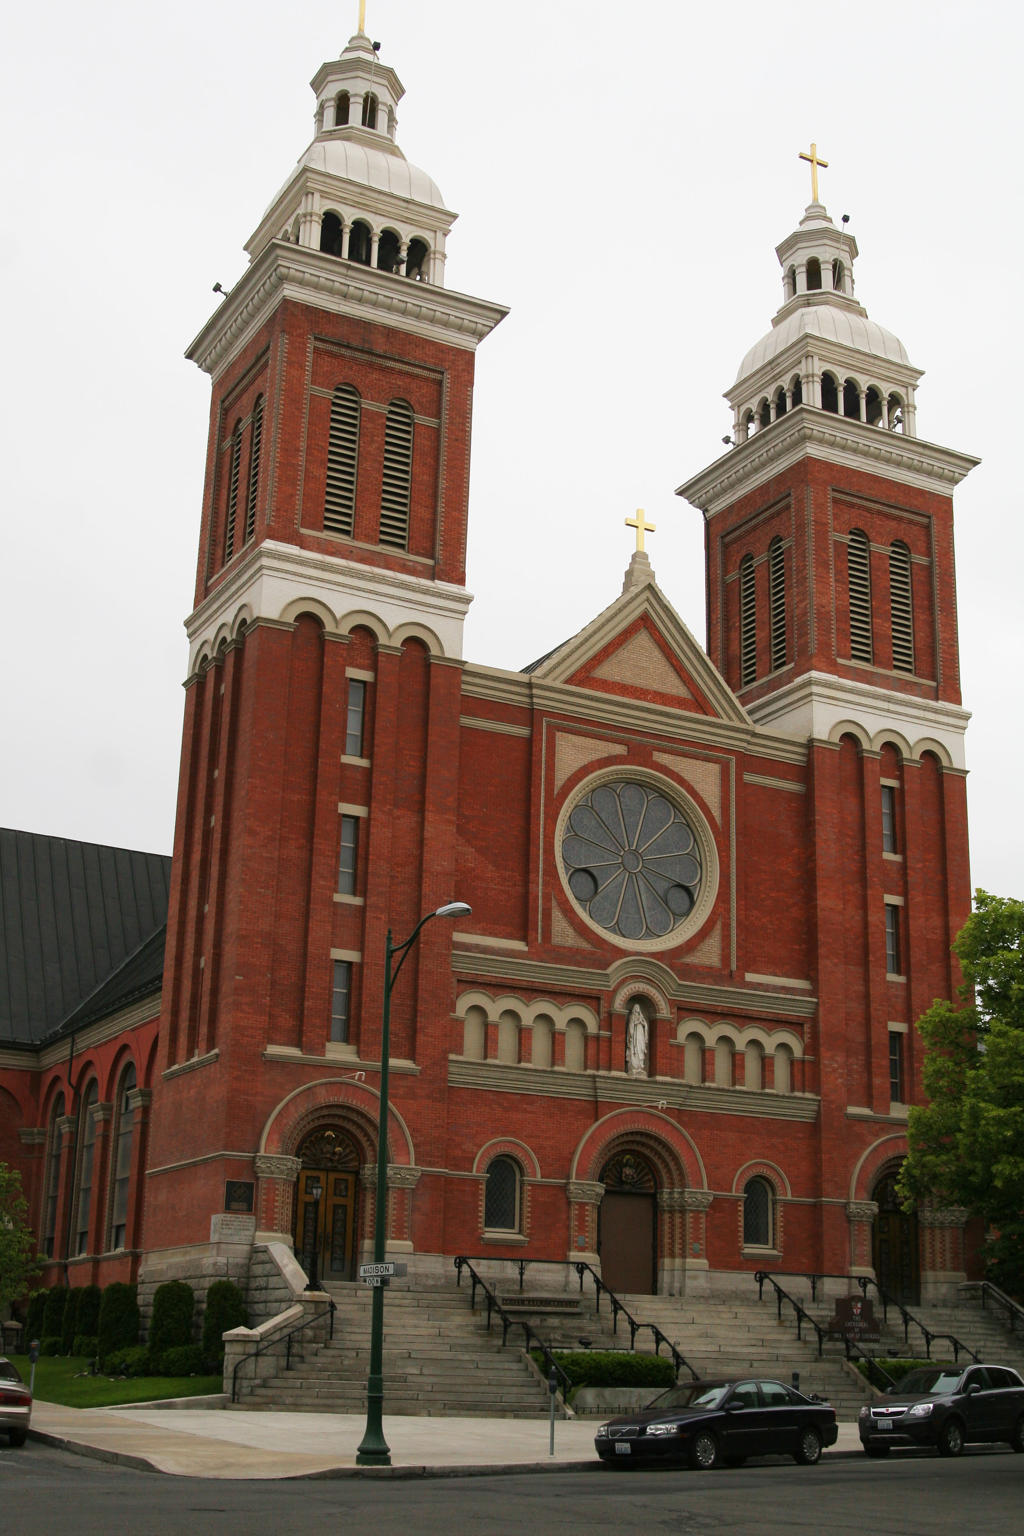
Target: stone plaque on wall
227	1227
238	1194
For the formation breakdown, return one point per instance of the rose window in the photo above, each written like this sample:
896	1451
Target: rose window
631	861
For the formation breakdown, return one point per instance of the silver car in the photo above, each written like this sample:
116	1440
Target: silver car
15	1403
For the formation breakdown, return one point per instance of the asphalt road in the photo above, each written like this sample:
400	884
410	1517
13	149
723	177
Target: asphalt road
44	1491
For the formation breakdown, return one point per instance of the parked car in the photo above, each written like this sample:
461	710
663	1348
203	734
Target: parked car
705	1422
948	1407
15	1403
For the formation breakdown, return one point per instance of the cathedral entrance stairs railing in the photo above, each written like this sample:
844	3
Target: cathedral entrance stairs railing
506	1307
272	1335
990	1295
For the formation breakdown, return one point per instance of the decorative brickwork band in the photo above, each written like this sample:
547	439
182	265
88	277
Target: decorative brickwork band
32	1135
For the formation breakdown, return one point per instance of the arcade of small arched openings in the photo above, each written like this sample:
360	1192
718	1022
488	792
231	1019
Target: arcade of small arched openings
537	1034
353	238
875	404
749	1057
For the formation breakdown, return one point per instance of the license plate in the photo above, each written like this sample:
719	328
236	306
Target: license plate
884	1424
621	1449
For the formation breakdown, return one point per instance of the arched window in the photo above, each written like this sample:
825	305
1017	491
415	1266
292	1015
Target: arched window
837	274
396	486
859	565
813	274
474	1034
86	1154
232	505
693	1059
575	1046
388	248
369	110
796	391
341	109
723	1064
901	600
121	1160
780	401
764	415
791	283
342	462
360	242
753	1065
53	1149
508	1037
330	234
851	400
758	1214
829	394
896	421
542	1034
503	1196
777	602
254	468
748	616
416	261
783	1069
872	407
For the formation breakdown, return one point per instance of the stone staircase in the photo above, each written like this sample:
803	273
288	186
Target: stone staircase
980	1329
439	1360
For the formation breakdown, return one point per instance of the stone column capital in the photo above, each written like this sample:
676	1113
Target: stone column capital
276	1167
697	1199
584	1192
862	1210
943	1216
403	1176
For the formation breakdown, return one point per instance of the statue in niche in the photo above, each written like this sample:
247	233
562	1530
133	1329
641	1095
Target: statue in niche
637	1043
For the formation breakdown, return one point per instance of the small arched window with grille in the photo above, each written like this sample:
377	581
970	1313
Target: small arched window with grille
53	1149
777	602
901	601
396	485
342	462
503	1196
231	514
120	1182
255	448
758	1214
748	618
859	566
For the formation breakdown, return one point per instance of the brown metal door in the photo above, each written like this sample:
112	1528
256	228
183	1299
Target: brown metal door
626	1242
325	1223
895	1245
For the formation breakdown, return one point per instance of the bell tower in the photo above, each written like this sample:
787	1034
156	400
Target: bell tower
325	642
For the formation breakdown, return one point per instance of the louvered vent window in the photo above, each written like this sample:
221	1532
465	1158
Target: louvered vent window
397	481
777	602
860	596
748	615
342	462
254	469
902	608
232	510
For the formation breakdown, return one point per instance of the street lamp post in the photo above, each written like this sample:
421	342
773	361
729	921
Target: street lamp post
373	1448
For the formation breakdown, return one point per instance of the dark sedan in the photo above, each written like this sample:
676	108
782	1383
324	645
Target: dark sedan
948	1407
705	1422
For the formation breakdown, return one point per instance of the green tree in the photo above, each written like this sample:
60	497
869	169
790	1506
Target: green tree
967	1144
19	1262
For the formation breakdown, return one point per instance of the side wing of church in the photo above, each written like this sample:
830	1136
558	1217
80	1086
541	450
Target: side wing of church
711	889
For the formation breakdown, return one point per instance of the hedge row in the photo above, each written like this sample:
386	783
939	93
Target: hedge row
612	1368
104	1325
897	1369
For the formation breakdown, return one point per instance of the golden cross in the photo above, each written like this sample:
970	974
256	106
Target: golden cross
814	162
362	21
642	526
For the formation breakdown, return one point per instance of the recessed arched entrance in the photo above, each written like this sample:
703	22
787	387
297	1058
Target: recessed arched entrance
325	1205
628	1224
894	1243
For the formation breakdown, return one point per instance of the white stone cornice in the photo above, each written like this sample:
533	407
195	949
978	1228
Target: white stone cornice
806	432
284	271
817	705
274	576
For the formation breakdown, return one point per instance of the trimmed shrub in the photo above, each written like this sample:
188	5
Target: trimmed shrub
50	1344
182	1360
34	1318
118	1321
86	1346
225	1308
897	1369
53	1312
133	1361
89	1309
69	1326
612	1368
170	1326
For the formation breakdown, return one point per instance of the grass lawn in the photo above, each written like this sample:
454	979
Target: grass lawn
60	1380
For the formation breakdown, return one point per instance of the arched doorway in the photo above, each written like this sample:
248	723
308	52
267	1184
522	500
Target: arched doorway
325	1206
894	1244
628	1224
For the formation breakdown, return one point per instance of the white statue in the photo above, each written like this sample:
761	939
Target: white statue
637	1039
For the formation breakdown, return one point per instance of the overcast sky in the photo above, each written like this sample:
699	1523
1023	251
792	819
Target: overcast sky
623	174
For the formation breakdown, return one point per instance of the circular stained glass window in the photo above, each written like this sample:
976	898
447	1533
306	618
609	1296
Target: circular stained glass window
631	860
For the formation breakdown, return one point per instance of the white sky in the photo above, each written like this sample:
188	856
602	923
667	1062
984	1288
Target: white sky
623	174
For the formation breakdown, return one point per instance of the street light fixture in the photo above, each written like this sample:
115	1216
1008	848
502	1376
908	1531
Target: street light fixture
373	1448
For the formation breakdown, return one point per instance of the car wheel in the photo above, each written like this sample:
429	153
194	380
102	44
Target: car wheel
808	1448
951	1438
1017	1438
878	1451
703	1451
18	1436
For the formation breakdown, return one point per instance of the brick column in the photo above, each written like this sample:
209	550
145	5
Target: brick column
696	1203
672	1223
65	1128
140	1100
275	1196
861	1216
402	1180
33	1139
103	1116
584	1196
942	1252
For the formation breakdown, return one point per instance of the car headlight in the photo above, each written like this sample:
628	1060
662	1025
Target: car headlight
865	1412
662	1429
920	1410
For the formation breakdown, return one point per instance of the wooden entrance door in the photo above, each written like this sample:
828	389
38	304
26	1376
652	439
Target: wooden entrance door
628	1225
325	1223
895	1252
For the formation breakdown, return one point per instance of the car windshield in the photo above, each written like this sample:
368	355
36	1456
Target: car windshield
693	1394
8	1372
928	1381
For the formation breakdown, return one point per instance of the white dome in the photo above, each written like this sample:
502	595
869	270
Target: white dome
386	172
830	323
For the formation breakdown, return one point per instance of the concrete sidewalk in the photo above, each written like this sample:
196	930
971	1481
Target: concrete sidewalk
217	1443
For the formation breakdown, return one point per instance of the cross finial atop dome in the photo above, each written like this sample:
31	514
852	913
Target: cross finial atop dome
814	162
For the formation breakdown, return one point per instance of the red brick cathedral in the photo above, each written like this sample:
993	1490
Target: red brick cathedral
711	890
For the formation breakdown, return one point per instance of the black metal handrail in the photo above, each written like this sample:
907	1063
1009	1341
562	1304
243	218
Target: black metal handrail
532	1338
874	1368
910	1321
1014	1311
781	1295
286	1339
